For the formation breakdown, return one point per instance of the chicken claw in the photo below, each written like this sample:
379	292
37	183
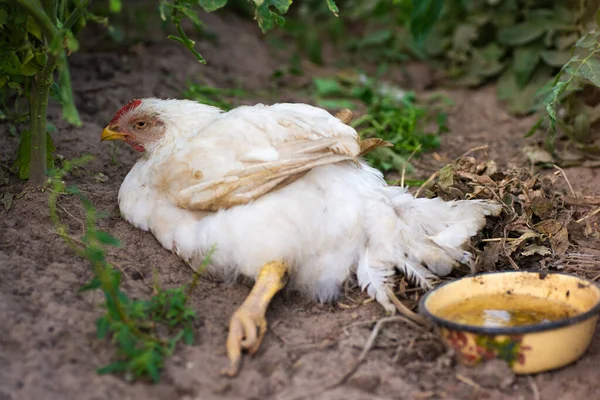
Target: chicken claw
248	324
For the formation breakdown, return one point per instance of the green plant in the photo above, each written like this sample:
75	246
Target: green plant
144	332
391	114
382	31
35	36
268	14
522	43
212	96
564	93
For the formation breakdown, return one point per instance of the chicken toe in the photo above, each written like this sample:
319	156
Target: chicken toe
248	324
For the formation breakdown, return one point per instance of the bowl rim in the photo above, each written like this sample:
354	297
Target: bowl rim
514	330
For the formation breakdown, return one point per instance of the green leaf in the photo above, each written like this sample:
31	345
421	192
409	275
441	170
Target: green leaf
464	35
119	366
327	86
69	110
188	335
91	285
153	371
335	104
591	71
102	327
376	38
588	41
73	190
524	62
535	127
56	93
10	63
107	238
268	19
30	68
16	87
3	17
114	6
33	28
212	5
72	44
23	160
521	34
424	15
333	7
555	58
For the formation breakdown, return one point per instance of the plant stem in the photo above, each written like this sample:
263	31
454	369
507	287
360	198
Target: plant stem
38	105
77	12
50	6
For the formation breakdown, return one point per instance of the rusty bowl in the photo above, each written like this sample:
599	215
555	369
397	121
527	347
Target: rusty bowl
526	348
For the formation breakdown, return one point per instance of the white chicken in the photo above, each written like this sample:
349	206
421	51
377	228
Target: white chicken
281	193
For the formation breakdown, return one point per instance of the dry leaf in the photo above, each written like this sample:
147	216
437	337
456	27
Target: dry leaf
446	177
537	155
536	249
7	200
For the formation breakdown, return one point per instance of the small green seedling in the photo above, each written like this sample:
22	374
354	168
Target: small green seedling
144	332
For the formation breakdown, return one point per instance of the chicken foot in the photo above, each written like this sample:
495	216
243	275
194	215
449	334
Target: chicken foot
248	324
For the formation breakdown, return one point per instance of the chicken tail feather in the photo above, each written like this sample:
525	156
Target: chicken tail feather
421	238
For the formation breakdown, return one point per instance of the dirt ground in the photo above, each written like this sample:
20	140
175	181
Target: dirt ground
48	348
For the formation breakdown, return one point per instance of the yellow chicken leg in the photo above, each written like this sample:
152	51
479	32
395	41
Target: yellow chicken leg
248	325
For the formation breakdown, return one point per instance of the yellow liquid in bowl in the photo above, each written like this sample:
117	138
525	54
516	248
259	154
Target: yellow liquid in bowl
506	310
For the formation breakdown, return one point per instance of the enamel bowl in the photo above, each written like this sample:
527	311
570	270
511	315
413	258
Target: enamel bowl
528	348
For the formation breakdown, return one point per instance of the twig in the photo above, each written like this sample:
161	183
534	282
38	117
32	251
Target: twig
474	149
498	239
596	211
357	324
510	260
575	201
427	182
368	346
406	163
562	171
534	388
468	381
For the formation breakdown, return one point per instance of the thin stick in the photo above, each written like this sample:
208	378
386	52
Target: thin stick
468	381
596	211
534	388
368	346
406	163
499	239
586	201
474	149
562	171
428	181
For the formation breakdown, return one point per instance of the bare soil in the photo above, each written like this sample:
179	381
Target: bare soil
48	347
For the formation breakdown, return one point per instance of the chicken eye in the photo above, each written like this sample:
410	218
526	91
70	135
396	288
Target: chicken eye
141	125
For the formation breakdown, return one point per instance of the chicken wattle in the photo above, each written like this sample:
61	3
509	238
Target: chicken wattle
282	195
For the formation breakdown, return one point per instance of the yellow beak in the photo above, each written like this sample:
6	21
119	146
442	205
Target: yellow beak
108	134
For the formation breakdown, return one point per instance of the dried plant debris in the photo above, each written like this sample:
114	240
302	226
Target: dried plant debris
541	227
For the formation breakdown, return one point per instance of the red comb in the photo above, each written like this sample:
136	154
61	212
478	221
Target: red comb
125	109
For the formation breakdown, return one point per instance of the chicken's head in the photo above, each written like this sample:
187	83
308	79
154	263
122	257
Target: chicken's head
145	124
139	125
